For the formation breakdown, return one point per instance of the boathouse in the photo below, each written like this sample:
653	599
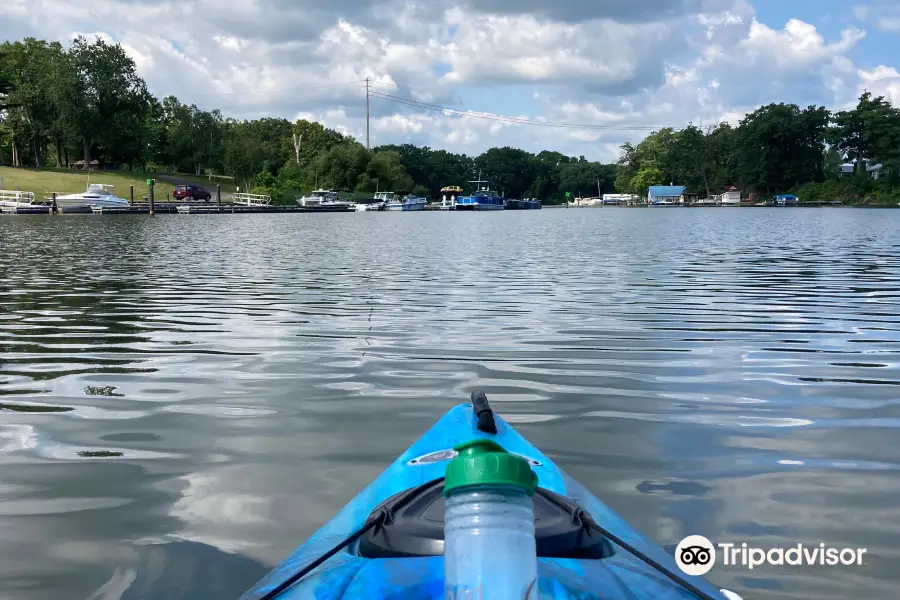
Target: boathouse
665	194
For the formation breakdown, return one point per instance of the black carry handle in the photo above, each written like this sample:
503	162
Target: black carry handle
483	412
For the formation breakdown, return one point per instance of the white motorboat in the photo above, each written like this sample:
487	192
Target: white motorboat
97	195
404	201
325	201
375	203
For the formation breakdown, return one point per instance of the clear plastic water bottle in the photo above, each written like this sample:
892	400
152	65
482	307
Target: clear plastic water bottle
489	547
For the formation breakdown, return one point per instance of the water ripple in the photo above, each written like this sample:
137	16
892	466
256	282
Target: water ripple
199	379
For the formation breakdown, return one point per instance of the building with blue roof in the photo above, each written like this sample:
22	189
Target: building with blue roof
664	194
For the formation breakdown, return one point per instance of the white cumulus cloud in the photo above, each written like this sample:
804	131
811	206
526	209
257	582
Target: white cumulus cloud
620	66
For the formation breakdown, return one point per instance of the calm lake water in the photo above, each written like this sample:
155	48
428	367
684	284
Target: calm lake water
728	373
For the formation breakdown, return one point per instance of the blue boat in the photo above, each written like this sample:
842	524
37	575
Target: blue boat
483	198
388	542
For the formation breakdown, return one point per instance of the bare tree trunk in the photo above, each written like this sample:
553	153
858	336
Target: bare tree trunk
15	154
66	155
87	152
59	160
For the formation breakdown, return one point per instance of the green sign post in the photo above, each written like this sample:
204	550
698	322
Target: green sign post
150	184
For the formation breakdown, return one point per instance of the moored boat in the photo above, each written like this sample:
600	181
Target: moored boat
523	204
404	201
482	198
323	200
375	203
96	195
388	542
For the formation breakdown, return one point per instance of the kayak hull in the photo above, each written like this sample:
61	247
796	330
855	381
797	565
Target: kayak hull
348	575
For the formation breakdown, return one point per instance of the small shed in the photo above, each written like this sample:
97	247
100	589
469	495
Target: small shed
731	196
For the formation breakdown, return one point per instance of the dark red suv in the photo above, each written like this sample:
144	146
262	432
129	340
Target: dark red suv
191	191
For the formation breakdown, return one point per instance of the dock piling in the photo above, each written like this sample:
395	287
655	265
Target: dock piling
151	182
219	194
131	197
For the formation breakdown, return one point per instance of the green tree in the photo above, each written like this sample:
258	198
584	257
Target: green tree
343	165
782	146
385	172
692	158
510	169
6	85
106	92
314	139
866	132
626	169
37	71
586	179
243	154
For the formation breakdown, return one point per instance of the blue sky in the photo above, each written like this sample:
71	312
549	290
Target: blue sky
830	17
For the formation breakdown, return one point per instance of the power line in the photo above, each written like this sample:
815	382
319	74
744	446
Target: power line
289	102
369	92
510	120
305	87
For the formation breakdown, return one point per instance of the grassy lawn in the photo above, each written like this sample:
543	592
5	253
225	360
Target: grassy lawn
67	181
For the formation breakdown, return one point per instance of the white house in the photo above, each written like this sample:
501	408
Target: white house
876	171
730	197
873	171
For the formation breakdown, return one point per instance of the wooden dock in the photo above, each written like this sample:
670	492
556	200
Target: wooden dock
205	208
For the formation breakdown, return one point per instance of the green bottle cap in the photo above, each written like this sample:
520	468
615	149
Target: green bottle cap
483	462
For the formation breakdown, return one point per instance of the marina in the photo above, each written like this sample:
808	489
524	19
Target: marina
101	199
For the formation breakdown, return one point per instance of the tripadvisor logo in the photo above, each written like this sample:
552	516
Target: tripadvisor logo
696	555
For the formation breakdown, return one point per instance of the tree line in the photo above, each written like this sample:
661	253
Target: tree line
87	102
778	148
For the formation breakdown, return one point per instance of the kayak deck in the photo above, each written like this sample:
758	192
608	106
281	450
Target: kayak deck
618	574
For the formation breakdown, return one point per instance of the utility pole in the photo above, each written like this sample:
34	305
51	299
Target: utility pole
367	114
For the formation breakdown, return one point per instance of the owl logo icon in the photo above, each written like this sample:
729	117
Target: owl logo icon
695	555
